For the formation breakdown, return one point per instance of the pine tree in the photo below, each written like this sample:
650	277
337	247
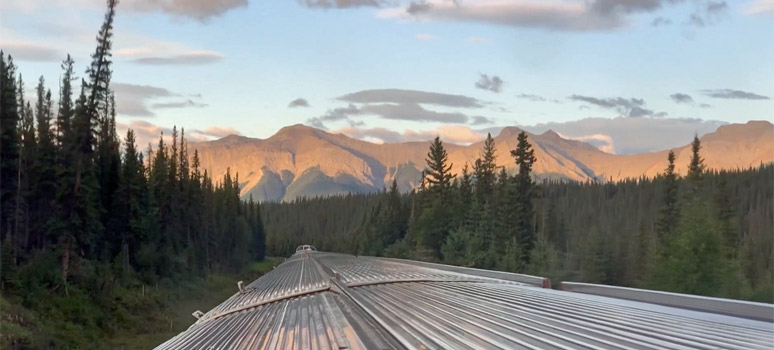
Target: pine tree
525	193
432	224
438	174
28	177
484	171
44	166
670	211
9	148
696	167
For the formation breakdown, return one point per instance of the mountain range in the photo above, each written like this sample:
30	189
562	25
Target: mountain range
303	161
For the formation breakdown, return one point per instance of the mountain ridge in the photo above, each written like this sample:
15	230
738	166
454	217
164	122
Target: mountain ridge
301	161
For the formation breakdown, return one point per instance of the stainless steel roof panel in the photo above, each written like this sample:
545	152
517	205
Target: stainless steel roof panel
318	300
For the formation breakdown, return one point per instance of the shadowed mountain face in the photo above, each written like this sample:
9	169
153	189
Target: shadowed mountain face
302	161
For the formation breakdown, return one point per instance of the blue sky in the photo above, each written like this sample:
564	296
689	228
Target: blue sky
223	66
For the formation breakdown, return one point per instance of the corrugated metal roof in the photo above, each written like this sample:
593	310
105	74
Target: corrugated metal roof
318	300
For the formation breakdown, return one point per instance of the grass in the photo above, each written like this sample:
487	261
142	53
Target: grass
132	318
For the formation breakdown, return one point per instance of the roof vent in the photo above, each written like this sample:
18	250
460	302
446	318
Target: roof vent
198	314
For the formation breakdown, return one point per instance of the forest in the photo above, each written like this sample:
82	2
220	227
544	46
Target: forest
707	233
87	217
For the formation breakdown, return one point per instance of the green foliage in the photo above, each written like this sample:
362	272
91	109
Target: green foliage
609	233
670	212
83	224
694	260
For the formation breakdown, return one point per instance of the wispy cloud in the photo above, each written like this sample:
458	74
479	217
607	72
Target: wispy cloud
627	107
410	96
179	104
135	100
733	94
30	51
188	58
201	10
336	114
413	112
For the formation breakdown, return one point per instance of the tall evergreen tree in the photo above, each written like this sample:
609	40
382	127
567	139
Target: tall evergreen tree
670	211
44	166
9	147
525	193
438	174
485	171
696	167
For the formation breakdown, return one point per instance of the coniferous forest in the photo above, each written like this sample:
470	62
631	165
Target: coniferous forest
707	233
87	215
89	219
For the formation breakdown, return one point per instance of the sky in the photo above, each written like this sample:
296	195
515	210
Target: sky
628	76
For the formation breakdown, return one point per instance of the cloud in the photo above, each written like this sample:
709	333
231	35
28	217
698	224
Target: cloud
147	133
341	4
425	37
457	134
708	13
180	104
530	97
661	21
336	114
414	112
605	143
563	15
704	105
733	94
493	83
478	120
188	58
633	135
201	10
415	7
547	14
299	102
28	51
219	132
410	96
632	107
133	100
760	7
681	98
398	104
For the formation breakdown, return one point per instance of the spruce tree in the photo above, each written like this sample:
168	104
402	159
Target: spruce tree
525	193
9	148
484	171
44	166
670	211
438	174
696	167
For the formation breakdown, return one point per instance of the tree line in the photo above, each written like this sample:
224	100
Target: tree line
709	232
81	208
